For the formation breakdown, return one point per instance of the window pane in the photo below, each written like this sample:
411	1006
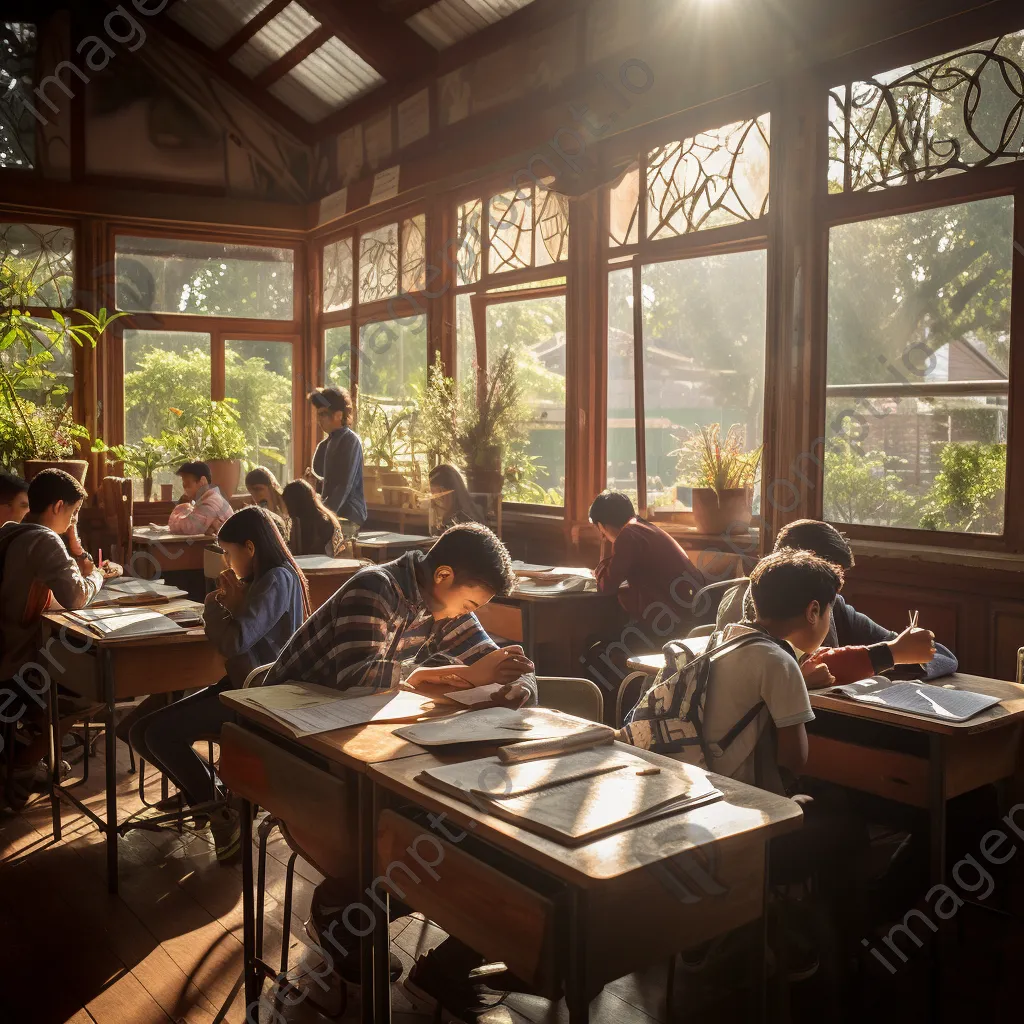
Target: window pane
622	455
42	258
393	361
716	178
338	275
258	375
378	264
939	117
465	339
55	377
704	355
470	242
511	231
338	357
535	330
163	371
414	254
17	68
174	275
918	360
624	214
552	228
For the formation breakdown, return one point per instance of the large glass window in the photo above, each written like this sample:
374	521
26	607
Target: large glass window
918	368
17	69
42	258
393	361
622	452
338	356
174	275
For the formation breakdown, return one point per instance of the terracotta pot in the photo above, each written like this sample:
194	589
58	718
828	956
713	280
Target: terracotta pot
167	492
226	473
719	512
78	468
484	475
147	488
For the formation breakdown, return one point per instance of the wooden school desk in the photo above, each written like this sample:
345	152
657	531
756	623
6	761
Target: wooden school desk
577	932
325	575
156	552
106	671
381	546
916	761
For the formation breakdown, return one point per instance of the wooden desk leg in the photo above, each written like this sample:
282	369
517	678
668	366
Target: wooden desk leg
381	933
937	827
762	974
577	993
55	758
250	974
366	942
110	740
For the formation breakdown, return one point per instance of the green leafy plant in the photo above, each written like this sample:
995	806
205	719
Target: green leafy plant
706	460
967	494
212	434
864	486
29	429
142	459
386	434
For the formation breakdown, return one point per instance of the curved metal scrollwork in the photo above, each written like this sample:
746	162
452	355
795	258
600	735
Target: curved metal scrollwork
950	114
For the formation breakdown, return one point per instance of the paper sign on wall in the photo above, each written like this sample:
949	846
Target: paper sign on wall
333	206
385	185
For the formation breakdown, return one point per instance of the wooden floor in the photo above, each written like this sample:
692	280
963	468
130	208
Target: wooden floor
168	947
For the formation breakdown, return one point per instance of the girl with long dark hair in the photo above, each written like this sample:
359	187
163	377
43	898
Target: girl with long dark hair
261	600
315	529
450	500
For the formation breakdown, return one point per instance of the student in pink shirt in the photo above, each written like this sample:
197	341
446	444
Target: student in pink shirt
206	510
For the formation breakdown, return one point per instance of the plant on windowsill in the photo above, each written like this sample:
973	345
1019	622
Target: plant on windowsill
142	459
722	475
214	436
38	436
387	451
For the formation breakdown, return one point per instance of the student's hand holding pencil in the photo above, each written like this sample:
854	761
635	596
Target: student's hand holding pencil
504	666
914	646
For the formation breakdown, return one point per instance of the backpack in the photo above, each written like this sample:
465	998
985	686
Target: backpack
669	717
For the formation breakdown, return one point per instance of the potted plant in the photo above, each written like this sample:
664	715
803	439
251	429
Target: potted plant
722	474
142	459
38	435
475	423
387	444
215	437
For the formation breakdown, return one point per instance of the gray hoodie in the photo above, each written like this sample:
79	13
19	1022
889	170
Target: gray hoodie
35	568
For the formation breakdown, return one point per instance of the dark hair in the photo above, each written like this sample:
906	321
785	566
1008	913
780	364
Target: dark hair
464	508
783	584
475	555
819	538
613	509
262	477
10	487
256	524
53	485
316	522
196	469
335	399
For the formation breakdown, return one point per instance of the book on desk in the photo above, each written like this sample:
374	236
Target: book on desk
124	623
932	700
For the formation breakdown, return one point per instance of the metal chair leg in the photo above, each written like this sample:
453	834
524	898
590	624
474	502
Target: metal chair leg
286	931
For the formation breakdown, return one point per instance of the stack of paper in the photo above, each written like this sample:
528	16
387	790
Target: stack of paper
131	591
504	725
116	623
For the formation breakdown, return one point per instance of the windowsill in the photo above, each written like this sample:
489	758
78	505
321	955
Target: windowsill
1007	561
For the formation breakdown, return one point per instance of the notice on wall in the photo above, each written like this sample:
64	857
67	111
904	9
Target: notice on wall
333	206
385	185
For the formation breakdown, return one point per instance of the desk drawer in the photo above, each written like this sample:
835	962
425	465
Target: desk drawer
499	917
886	773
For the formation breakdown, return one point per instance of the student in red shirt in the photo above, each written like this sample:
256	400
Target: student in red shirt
661	579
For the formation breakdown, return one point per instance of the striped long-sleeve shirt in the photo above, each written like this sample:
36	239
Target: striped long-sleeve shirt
375	630
206	514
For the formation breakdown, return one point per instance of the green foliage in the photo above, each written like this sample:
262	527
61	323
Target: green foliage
706	460
33	430
385	433
864	487
967	494
212	435
142	459
521	482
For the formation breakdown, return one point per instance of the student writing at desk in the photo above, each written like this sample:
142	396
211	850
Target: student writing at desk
849	627
37	572
206	509
261	599
408	621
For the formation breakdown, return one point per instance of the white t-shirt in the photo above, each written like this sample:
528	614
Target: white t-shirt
740	679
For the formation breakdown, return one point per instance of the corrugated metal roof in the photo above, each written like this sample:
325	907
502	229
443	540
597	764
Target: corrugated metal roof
326	80
446	22
214	22
275	39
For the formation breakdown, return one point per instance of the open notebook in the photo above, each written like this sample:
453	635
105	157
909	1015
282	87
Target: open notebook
576	798
131	591
118	623
927	699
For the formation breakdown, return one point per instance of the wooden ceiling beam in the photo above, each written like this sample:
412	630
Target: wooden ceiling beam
385	42
251	27
296	55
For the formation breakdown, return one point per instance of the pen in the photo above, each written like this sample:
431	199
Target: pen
99	557
913	619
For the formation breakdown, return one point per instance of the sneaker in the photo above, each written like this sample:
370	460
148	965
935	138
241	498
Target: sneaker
463	998
227	835
318	928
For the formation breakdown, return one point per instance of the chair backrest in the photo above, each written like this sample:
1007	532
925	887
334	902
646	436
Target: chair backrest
631	689
580	697
707	599
117	500
257	675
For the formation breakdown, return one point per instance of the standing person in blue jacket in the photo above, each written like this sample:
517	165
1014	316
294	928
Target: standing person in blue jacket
337	471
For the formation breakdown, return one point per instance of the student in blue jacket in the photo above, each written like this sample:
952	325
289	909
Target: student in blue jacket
337	470
261	600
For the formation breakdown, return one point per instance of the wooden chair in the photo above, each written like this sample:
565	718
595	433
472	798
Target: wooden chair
631	689
579	697
117	500
707	600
